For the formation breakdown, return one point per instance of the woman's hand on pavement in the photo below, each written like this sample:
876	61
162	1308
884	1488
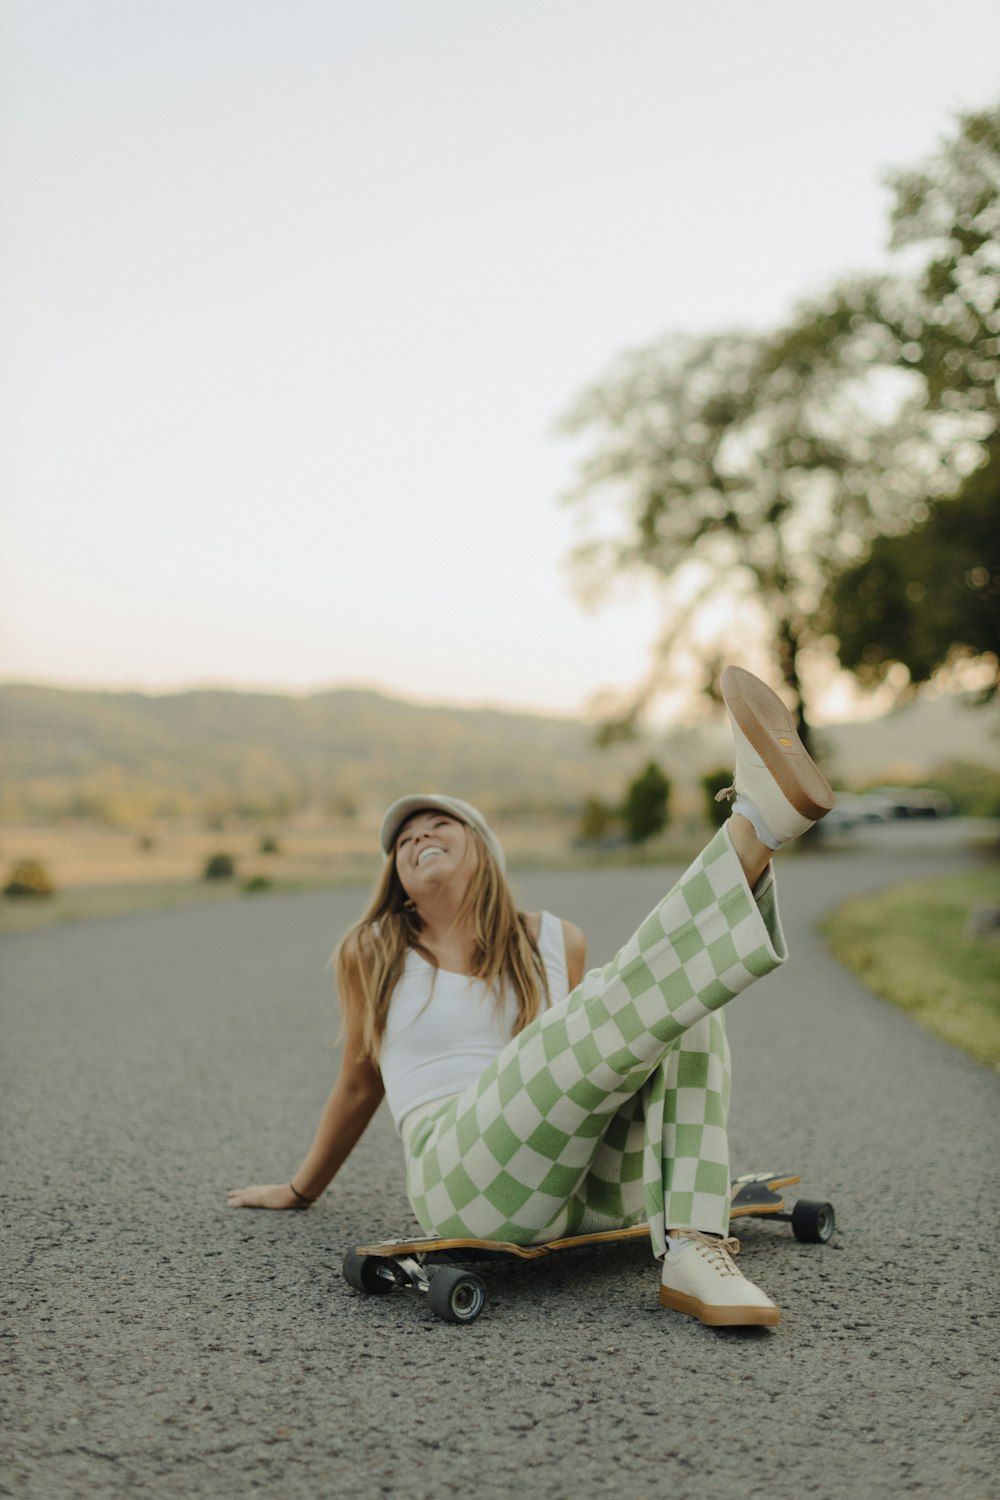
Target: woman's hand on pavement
273	1195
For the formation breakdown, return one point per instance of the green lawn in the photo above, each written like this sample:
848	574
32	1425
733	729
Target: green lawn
911	946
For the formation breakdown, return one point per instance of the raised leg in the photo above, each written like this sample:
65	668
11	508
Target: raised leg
504	1158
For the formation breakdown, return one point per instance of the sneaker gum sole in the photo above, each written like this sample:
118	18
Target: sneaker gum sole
720	1317
770	729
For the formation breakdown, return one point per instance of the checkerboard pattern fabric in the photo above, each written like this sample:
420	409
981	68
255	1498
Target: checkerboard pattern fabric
610	1108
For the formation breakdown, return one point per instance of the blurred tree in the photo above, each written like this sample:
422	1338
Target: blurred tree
711	784
733	479
941	321
974	789
926	586
951	206
747	472
930	596
645	809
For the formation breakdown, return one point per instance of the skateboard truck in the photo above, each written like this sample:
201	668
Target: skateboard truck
454	1295
757	1195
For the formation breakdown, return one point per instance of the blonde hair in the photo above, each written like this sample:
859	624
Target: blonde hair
369	958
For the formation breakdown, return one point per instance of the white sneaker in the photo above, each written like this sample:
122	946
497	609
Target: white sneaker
774	771
700	1279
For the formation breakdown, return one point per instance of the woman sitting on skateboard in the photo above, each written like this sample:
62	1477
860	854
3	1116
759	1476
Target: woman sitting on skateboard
533	1101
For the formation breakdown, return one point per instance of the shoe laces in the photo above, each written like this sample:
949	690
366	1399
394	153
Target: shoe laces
718	1253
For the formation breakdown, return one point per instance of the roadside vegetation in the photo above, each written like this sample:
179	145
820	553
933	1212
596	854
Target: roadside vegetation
924	947
837	476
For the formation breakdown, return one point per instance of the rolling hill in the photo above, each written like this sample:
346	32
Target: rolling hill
94	753
131	755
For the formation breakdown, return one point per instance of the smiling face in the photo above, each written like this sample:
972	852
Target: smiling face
432	848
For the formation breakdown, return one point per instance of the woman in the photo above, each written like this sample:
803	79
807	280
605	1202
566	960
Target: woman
533	1101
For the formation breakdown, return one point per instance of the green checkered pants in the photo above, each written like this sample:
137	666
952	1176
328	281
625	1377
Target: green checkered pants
610	1108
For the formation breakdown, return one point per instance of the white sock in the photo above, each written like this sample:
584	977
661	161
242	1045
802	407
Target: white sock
744	806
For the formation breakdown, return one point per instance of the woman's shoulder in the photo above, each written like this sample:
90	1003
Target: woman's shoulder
575	943
549	930
536	919
568	937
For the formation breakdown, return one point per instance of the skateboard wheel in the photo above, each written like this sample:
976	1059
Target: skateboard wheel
362	1273
456	1296
813	1223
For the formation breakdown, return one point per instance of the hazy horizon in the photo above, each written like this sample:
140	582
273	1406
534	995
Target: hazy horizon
865	712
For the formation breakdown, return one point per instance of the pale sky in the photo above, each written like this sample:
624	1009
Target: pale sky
293	291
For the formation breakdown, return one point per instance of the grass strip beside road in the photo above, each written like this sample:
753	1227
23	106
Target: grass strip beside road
912	946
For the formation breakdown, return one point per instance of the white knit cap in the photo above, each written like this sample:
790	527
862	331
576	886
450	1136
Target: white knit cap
405	807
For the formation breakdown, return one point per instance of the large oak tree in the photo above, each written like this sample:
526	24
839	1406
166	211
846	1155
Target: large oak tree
750	473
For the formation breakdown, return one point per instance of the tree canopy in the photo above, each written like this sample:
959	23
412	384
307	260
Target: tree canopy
931	595
646	806
750	472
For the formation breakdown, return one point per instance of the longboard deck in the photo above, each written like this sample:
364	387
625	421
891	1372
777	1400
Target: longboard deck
431	1243
756	1193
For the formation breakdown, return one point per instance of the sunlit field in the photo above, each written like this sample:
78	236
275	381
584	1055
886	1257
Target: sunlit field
97	870
81	853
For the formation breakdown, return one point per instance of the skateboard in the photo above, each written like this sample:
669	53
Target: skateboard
436	1267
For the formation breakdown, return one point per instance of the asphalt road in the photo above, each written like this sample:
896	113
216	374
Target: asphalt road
158	1343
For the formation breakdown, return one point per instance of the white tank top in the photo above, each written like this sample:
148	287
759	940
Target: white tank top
443	1029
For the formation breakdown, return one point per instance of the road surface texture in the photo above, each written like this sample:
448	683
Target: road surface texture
161	1344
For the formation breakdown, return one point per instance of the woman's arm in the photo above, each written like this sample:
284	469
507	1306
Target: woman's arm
353	1100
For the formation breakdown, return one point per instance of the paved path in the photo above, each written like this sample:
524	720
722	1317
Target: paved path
164	1345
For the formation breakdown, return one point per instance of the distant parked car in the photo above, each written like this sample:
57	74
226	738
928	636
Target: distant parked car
915	802
854	808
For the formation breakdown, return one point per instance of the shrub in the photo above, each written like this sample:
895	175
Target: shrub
257	883
29	877
715	781
269	845
219	867
644	811
973	789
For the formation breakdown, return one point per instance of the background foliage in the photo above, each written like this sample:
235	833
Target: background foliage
797	488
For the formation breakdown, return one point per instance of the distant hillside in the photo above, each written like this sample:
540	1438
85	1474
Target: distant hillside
905	746
908	744
127	755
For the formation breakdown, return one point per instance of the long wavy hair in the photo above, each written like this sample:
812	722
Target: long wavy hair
369	958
